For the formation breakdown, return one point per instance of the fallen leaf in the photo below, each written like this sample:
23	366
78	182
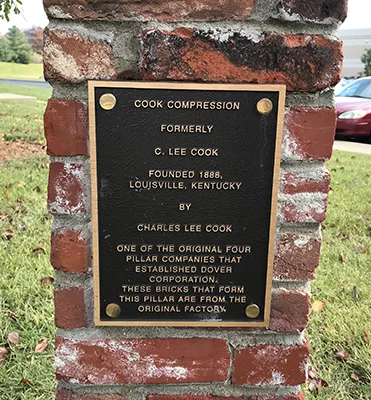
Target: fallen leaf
26	381
318	305
311	374
8	185
362	248
41	346
47	280
342	355
353	157
14	338
356	377
341	258
8	235
38	250
12	316
366	337
315	384
355	293
3	352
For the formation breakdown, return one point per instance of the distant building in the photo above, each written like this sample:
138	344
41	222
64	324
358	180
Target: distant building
356	41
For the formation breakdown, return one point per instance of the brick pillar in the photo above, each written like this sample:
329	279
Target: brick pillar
289	42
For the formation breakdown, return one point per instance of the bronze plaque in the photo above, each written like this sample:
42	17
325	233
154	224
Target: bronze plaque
184	196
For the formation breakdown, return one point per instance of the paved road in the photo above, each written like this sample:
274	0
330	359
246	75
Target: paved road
25	83
352	146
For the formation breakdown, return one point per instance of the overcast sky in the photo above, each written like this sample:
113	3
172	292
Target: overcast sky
359	16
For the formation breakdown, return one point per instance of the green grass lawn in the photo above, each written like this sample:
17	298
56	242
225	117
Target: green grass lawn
42	94
23	119
26	306
33	72
343	284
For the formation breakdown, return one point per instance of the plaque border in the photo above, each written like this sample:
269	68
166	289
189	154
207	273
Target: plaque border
281	89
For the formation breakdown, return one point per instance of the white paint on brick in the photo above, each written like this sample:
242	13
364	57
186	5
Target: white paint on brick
56	12
302	241
224	36
64	64
154	371
65	354
277	379
290	147
62	205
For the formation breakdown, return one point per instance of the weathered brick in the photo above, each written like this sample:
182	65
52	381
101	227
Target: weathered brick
63	394
302	62
296	257
309	133
70	251
314	10
303	182
70	312
142	361
66	128
303	207
289	311
162	10
66	190
271	365
69	57
298	396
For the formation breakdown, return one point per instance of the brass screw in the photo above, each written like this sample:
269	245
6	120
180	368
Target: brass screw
252	311
113	310
264	106
107	101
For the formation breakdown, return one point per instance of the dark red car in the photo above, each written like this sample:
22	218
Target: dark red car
353	110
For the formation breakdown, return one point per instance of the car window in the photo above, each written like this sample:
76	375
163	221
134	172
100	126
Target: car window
360	88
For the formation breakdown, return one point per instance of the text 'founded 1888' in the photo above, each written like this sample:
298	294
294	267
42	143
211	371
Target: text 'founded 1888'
184	193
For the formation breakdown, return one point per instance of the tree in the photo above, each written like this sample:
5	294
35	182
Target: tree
8	6
34	36
21	49
5	50
366	59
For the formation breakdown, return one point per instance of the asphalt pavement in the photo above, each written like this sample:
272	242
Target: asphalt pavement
353	147
26	83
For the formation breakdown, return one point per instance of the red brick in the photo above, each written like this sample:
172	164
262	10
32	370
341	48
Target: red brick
289	311
292	183
69	57
315	10
309	133
142	361
70	310
66	191
70	251
304	208
162	10
298	396
66	128
302	62
296	257
271	365
63	394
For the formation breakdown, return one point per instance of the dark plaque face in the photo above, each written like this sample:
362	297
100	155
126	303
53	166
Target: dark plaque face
184	192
